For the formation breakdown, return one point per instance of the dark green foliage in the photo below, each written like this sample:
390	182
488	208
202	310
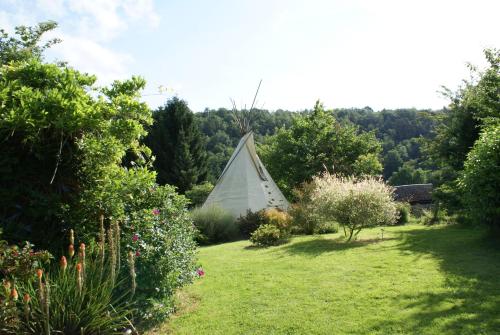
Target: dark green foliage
305	219
404	210
223	133
328	227
215	225
480	181
407	174
400	131
177	145
250	222
315	142
199	193
268	235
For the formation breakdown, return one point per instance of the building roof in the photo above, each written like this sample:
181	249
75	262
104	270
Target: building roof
414	193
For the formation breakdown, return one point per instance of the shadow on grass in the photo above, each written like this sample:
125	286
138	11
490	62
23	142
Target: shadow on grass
470	304
322	245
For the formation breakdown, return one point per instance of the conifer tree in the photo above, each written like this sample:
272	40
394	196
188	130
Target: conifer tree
178	146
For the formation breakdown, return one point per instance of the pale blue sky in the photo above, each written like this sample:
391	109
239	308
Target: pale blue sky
383	54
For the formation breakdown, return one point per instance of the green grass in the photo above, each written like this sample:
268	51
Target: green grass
418	280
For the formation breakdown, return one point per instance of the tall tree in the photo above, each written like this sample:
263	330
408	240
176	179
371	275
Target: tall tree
315	141
178	146
475	105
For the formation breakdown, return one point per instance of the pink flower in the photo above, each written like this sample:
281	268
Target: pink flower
156	211
137	253
200	272
135	238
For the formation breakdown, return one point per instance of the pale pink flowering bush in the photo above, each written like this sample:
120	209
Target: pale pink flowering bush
355	203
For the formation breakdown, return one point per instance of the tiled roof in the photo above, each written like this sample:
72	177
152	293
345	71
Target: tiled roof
414	194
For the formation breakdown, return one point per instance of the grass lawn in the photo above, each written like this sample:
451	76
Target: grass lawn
418	280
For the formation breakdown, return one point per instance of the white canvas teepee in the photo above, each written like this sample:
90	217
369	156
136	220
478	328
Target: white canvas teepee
245	183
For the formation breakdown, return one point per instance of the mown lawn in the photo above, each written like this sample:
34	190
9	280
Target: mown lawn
418	280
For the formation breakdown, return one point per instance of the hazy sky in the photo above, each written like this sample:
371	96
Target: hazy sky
382	54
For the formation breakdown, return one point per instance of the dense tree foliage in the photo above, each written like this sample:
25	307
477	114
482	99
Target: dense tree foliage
481	179
315	142
400	131
475	105
177	145
72	158
222	133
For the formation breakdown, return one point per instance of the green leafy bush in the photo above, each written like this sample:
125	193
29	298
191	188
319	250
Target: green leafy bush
268	235
305	219
404	210
354	203
481	179
72	154
250	222
214	225
278	218
253	220
328	227
159	229
199	193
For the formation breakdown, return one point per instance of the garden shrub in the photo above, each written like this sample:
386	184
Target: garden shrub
159	230
268	235
273	216
327	227
278	218
199	193
404	210
481	179
305	218
72	157
354	203
250	222
214	224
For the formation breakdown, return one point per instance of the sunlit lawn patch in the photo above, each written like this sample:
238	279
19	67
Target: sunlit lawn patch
418	280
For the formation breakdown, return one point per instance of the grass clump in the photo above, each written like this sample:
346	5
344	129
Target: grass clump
214	225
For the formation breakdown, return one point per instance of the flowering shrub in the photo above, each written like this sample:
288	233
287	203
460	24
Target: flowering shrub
20	263
159	231
268	235
354	203
79	296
